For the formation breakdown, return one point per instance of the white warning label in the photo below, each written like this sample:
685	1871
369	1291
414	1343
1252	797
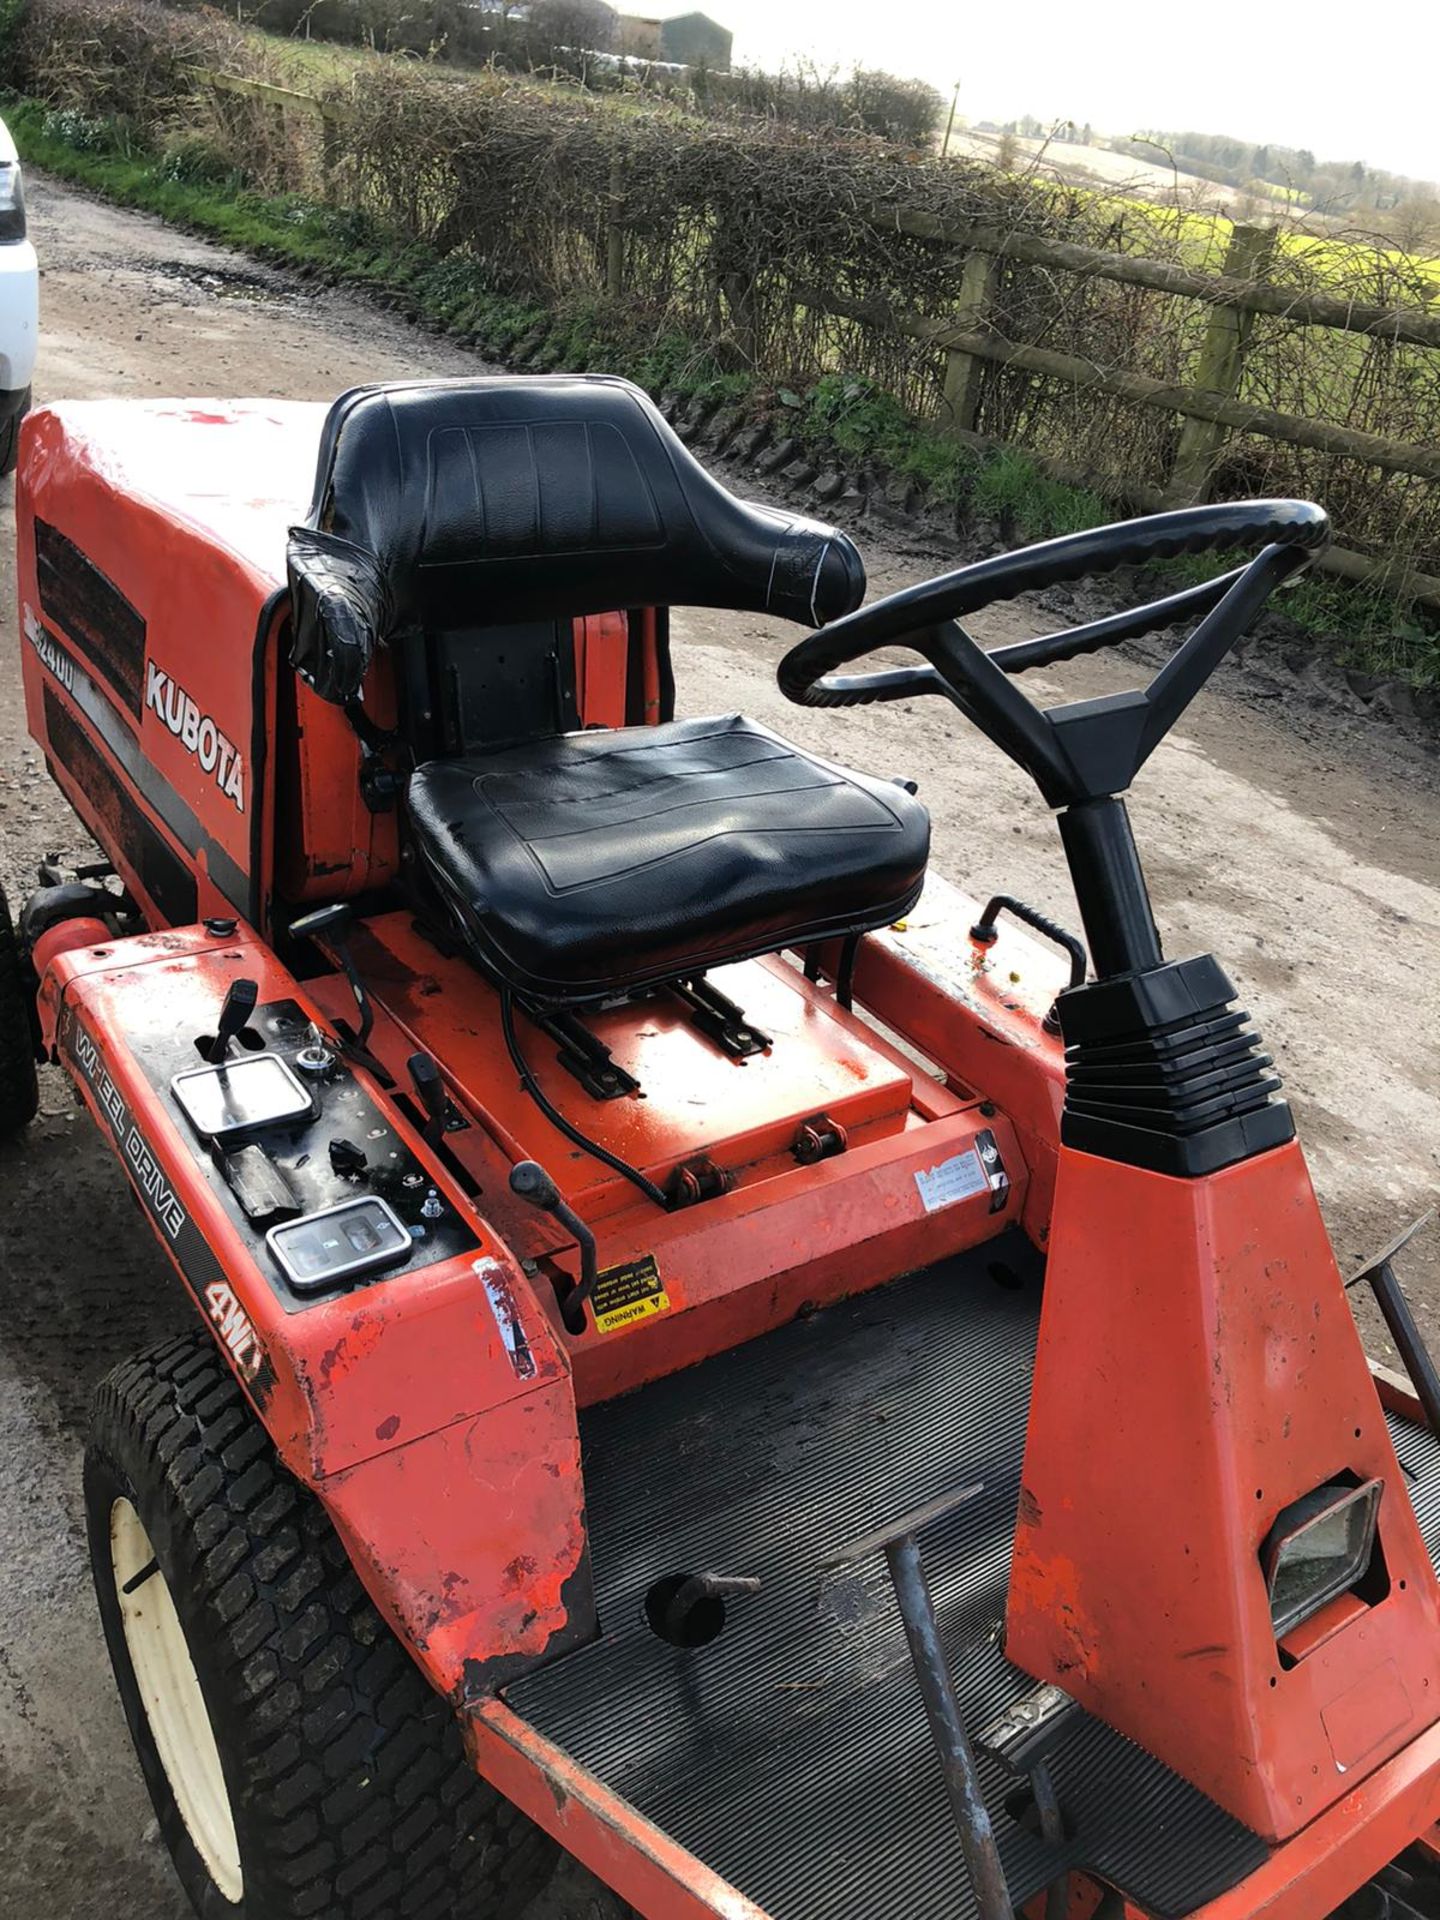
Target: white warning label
960	1177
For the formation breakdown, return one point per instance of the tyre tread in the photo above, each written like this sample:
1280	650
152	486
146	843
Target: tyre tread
356	1800
19	1082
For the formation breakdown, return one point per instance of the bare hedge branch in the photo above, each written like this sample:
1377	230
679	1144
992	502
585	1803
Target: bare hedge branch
727	223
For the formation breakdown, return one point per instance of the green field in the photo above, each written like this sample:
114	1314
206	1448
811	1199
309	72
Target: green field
429	189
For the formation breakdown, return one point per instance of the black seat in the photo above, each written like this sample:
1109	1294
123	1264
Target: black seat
592	862
452	519
473	503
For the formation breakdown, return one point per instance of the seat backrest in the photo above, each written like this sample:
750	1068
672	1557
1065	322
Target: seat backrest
453	510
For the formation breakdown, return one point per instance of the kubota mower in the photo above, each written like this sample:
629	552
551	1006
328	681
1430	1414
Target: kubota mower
711	1351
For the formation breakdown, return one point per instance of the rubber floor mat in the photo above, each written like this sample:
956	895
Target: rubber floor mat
791	1753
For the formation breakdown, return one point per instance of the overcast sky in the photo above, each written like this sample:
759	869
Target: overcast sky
1346	80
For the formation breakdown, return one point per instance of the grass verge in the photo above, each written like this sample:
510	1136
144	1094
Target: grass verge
842	418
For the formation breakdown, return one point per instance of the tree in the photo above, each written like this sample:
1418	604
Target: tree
560	33
904	110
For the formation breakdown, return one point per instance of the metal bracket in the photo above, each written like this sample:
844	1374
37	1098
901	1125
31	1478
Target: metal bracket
1404	1329
719	1018
818	1138
993	1161
694	1181
586	1056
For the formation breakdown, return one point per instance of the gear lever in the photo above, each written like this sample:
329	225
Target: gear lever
429	1086
331	924
234	1018
530	1182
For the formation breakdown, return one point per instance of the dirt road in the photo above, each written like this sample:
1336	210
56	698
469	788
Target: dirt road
1299	842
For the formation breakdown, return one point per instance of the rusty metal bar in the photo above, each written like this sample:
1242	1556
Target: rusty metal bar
962	1779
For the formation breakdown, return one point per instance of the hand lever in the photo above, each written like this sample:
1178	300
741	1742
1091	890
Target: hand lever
530	1182
331	924
234	1017
429	1087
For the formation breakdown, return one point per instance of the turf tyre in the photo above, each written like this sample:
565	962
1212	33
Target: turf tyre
10	436
19	1086
348	1789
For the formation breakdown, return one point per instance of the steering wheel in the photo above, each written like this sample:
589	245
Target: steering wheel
1093	748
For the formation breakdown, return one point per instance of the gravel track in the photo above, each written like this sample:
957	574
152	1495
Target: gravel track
1295	837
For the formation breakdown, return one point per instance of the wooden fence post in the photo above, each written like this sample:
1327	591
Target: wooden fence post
329	153
960	403
1221	364
615	233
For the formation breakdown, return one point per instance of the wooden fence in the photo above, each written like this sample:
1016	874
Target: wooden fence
1211	407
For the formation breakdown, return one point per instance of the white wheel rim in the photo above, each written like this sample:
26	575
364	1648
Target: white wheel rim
174	1705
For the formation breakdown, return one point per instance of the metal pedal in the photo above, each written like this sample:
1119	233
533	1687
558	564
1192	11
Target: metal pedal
1025	1734
1022	1739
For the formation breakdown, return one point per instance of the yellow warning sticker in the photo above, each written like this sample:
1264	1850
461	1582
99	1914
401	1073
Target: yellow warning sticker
627	1293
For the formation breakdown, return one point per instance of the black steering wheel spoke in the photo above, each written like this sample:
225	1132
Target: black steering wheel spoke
889	683
1089	749
1051	649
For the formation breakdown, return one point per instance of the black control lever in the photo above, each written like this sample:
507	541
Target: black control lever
332	924
234	1018
429	1085
530	1182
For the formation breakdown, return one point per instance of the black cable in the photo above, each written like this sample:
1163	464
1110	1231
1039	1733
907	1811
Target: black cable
557	1119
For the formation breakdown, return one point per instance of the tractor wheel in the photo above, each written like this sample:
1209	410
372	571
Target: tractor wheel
297	1760
10	435
19	1087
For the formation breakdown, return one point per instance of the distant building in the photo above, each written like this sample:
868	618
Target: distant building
685	40
695	40
638	36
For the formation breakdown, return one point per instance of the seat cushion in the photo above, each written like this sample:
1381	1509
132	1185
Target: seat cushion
591	862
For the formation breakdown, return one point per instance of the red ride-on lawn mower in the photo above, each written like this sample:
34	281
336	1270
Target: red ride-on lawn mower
707	1354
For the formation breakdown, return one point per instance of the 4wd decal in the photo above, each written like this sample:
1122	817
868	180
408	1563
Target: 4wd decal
235	1329
197	733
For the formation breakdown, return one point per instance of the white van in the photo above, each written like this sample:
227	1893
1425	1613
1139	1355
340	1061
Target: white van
19	303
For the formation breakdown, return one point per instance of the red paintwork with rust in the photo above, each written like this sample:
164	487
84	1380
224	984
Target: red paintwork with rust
1178	1371
183	508
979	1012
786	1236
455	1483
328	843
1197	1353
632	1855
